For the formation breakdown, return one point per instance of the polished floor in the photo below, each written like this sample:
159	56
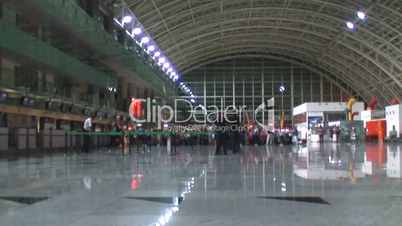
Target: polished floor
327	184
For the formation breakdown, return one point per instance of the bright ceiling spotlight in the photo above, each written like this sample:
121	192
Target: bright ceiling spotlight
169	70
361	15
157	54
166	65
127	19
151	48
175	78
350	25
137	31
145	40
173	74
282	89
181	83
161	60
192	101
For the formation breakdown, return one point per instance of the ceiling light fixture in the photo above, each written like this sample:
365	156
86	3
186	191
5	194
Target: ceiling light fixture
137	31
361	15
127	19
151	48
145	40
350	25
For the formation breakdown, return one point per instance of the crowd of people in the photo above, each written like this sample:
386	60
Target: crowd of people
225	136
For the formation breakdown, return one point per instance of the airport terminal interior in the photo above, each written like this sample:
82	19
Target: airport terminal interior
200	112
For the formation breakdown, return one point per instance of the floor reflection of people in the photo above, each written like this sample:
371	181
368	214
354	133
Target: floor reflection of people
394	161
221	142
87	181
231	169
235	138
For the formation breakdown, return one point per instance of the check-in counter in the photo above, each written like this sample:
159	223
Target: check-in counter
3	139
46	139
59	139
26	138
32	139
54	139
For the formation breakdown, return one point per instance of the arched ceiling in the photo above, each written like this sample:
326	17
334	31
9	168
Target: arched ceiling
369	60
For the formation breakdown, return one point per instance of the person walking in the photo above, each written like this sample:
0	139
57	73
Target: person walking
87	129
221	136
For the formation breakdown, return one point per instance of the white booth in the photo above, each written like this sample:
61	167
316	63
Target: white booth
369	115
393	115
309	114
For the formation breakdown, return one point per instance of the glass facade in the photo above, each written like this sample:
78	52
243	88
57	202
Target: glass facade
250	82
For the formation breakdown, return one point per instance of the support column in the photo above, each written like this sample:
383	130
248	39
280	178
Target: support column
321	89
252	94
205	88
83	92
282	97
131	90
311	87
224	93
95	96
124	88
302	83
40	82
234	89
215	90
7	72
137	92
273	90
244	93
262	83
263	92
272	84
292	93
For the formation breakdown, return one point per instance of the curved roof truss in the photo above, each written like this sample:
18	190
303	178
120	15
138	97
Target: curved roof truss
368	60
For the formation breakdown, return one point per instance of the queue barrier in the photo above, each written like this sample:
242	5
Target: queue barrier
137	133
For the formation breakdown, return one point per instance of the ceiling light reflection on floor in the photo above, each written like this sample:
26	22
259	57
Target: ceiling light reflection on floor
168	213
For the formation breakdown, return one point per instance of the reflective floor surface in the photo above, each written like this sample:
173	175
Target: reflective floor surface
327	184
